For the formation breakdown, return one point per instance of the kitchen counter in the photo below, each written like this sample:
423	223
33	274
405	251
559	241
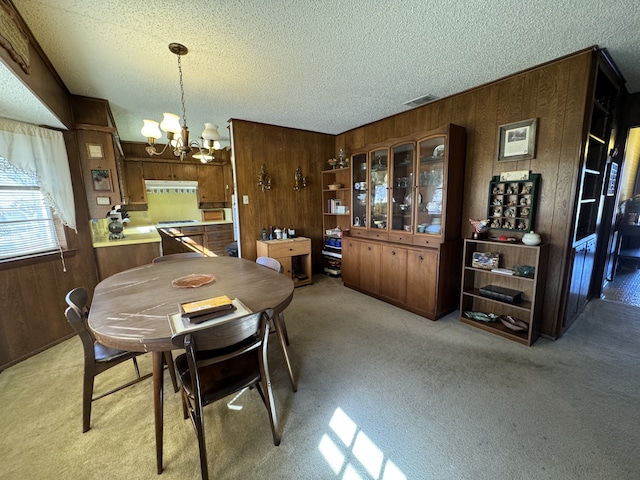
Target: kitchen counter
132	236
193	224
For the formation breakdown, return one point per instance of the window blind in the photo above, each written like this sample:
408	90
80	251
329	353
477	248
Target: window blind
26	223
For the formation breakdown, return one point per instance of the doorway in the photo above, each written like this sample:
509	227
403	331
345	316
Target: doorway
622	282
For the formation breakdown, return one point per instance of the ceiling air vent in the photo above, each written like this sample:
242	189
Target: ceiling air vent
423	100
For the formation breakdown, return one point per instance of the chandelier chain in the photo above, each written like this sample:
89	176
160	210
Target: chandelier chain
184	110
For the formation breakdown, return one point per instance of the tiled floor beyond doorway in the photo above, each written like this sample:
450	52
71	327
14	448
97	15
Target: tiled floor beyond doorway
625	287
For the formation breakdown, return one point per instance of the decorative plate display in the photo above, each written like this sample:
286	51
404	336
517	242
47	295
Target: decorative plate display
407	198
438	151
193	280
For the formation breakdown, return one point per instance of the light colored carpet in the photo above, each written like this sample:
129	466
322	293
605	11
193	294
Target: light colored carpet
382	394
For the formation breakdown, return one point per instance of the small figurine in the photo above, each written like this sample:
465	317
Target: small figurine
497	212
524	212
526	189
495	223
497	201
508	225
480	226
521	225
524	201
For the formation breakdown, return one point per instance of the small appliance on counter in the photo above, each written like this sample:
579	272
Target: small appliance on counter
118	218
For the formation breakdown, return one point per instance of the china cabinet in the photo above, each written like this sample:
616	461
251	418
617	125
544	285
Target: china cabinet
406	205
528	282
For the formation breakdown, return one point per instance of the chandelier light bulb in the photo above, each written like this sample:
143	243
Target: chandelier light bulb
150	129
171	123
210	132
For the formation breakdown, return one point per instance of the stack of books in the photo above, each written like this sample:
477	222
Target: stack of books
203	310
204	313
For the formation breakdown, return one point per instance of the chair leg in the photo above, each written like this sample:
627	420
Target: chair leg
267	397
168	358
135	366
281	332
199	424
87	398
284	327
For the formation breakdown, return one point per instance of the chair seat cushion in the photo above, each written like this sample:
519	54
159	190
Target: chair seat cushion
106	354
220	379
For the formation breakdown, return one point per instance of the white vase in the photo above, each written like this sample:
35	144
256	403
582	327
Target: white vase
531	238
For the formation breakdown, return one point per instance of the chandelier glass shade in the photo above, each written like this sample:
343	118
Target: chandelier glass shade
178	134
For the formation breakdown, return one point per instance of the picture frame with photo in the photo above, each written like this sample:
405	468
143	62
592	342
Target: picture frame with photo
101	179
517	141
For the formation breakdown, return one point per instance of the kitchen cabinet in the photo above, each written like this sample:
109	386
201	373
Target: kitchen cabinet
217	237
118	258
294	254
169	171
406	203
211	184
134	180
527	310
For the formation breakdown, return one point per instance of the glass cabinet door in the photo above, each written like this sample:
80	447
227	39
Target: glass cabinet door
359	193
430	182
402	187
378	188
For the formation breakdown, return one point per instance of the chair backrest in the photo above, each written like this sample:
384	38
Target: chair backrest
269	262
79	323
177	256
79	298
226	334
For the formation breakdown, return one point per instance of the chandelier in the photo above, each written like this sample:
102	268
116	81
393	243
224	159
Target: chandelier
178	135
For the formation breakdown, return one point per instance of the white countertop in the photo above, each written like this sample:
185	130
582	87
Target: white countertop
145	233
132	236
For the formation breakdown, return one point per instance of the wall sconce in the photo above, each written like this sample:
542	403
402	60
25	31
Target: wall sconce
301	182
264	182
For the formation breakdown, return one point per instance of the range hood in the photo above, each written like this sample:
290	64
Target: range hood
170	184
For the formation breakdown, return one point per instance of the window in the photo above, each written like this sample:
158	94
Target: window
27	224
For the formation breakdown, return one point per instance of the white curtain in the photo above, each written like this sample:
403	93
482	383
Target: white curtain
42	152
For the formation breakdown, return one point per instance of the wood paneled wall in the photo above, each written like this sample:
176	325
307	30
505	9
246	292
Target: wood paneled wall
556	94
281	150
32	300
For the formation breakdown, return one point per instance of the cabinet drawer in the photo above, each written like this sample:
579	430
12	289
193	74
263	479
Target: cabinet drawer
225	227
289	248
192	230
406	238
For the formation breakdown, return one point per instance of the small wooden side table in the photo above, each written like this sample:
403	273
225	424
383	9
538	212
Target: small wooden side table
294	254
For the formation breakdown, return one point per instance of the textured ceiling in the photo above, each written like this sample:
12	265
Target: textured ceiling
325	66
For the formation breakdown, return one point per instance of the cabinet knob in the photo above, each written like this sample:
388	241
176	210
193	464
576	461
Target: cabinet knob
421	257
393	252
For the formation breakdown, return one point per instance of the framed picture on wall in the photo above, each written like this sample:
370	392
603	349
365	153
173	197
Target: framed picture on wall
517	141
95	151
101	180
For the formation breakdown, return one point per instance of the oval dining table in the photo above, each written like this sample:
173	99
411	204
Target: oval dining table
130	310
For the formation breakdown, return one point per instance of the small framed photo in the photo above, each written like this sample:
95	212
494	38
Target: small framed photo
95	151
101	180
103	200
517	141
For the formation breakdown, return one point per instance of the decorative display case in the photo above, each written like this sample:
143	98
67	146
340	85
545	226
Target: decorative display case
512	204
406	202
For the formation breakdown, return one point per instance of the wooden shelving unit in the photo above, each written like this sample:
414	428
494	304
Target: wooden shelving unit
529	309
336	213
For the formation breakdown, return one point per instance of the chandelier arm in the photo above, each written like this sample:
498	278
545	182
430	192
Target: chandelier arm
151	149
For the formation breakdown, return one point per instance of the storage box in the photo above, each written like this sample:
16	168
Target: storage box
503	294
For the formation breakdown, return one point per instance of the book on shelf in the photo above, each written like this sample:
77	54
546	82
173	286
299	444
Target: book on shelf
180	322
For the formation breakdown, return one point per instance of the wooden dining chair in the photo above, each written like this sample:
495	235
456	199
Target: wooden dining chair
97	357
220	360
177	256
279	323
